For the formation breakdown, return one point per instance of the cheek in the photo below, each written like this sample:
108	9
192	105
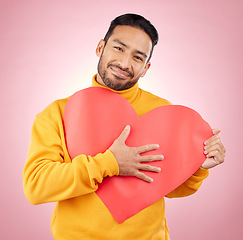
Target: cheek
107	60
103	62
138	71
109	55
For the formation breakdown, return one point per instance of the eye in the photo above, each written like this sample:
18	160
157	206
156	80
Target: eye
118	48
138	58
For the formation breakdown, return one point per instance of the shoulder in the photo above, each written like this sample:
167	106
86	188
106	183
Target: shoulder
54	110
148	101
152	99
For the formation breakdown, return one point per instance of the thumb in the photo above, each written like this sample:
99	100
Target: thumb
216	131
124	135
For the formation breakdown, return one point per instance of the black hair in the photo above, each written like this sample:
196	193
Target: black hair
136	21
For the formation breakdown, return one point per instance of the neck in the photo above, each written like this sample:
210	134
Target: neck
131	94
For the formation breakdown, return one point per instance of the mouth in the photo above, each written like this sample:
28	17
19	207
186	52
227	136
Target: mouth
120	73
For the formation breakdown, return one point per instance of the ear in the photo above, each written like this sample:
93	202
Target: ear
146	68
100	47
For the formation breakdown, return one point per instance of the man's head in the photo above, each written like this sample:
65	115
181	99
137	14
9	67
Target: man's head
125	51
135	21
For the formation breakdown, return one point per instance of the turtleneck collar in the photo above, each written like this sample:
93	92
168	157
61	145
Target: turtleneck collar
132	94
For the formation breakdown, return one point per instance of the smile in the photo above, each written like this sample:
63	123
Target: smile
120	73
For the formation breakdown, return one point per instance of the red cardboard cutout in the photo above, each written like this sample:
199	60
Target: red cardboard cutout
95	117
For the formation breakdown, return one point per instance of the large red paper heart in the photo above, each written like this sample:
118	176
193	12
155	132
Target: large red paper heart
95	117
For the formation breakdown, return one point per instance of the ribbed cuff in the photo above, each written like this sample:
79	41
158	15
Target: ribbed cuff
202	172
107	163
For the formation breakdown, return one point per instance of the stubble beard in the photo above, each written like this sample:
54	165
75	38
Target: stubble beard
118	84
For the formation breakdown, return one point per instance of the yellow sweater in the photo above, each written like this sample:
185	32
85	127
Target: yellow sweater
51	176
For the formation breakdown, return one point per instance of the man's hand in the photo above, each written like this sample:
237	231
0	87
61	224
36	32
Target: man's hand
129	159
214	150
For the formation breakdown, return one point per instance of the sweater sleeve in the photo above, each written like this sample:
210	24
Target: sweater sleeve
191	185
50	175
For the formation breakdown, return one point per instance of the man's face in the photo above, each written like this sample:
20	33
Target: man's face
123	59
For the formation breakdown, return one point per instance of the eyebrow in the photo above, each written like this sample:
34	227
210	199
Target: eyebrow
125	45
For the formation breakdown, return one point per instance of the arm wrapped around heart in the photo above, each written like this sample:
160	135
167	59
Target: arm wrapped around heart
191	185
49	173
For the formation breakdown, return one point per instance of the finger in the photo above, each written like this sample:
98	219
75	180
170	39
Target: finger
215	140
149	168
143	177
216	131
215	143
218	157
124	135
210	141
147	148
150	158
214	147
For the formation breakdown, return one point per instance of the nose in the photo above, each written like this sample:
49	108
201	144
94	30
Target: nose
125	61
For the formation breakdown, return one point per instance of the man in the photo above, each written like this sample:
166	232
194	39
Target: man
51	176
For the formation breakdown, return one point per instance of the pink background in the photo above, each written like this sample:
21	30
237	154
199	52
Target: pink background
47	51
